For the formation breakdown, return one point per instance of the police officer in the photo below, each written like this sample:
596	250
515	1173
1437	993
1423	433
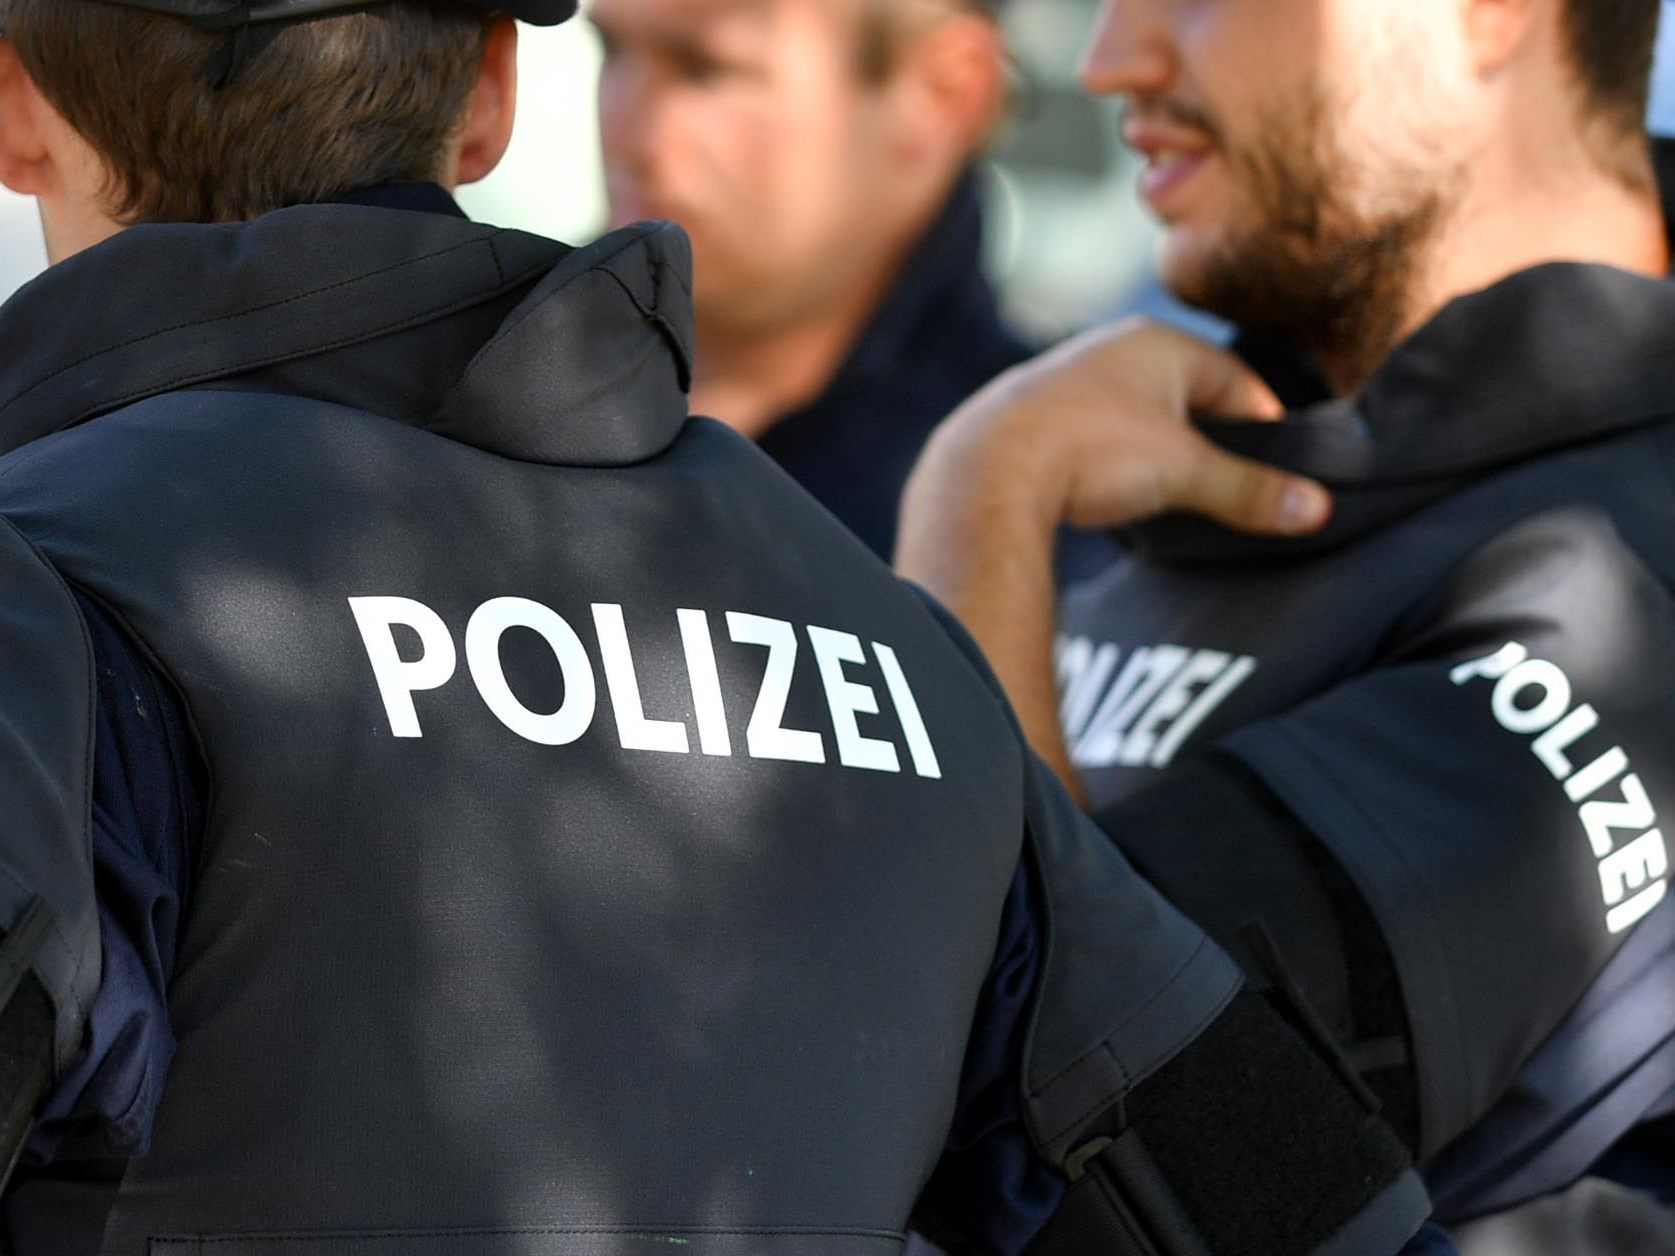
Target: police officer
823	156
457	804
1460	683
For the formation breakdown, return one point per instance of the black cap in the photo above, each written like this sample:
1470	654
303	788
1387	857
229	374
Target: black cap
232	14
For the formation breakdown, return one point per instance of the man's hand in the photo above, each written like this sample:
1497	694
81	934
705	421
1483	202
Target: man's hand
1094	433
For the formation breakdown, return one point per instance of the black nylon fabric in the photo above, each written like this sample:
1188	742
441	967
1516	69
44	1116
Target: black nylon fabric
1175	829
46	721
449	985
26	1057
1272	873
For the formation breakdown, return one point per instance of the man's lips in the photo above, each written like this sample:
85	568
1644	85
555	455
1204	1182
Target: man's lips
1174	155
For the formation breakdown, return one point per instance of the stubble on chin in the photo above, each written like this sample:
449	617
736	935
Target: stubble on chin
1329	244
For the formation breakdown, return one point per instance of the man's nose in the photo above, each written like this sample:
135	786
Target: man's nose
1130	52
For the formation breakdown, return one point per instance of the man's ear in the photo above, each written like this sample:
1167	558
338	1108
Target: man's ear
1495	30
953	77
25	157
487	130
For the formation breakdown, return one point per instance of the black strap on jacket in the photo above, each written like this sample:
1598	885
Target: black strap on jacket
26	1031
1118	1205
1120	1202
1252	1139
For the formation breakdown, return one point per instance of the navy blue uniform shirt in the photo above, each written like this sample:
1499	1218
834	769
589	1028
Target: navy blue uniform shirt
936	338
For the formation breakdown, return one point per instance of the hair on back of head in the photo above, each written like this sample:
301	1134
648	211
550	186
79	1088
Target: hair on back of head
1610	44
886	25
322	107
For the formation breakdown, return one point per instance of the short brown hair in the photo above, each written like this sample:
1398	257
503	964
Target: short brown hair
887	24
320	107
1610	45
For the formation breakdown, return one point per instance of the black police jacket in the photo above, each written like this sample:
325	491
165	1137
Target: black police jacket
603	849
1452	709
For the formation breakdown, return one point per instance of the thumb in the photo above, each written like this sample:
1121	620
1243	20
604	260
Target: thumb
1222	384
1250	497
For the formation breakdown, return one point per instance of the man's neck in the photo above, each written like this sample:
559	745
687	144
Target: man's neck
72	225
753	375
1568	210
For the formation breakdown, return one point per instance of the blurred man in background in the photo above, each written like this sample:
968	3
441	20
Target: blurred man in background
821	155
1442	223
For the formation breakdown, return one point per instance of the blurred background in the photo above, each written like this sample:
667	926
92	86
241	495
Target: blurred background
1069	242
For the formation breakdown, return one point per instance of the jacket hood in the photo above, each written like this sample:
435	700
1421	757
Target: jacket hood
524	346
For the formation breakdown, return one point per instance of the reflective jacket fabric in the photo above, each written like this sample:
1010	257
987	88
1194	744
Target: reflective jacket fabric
1460	691
603	850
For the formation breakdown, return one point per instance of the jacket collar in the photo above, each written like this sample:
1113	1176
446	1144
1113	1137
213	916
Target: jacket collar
591	365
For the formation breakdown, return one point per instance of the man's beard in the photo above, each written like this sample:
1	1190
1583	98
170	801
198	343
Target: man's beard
1314	268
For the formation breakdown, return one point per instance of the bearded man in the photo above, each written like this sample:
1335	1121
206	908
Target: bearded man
1440	225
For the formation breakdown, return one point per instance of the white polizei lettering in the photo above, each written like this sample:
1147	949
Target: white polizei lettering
1149	669
1071	656
835	653
634	730
1083	690
707	705
1597	775
1638	867
1634	811
1492	666
482	654
1550	747
1171	701
919	747
765	735
847	699
1212	697
1100	740
1158	699
398	680
1555	697
1628	868
1634	911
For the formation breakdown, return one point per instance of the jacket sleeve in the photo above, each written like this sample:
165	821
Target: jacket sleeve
1176	1107
1488	793
49	959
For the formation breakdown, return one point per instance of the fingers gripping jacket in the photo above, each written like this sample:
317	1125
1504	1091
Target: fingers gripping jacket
1191	1116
